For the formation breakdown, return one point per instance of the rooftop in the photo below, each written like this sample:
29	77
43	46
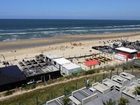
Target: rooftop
56	101
100	92
49	68
36	66
70	66
11	74
51	56
118	79
108	82
127	76
73	99
83	95
130	89
100	87
128	50
62	61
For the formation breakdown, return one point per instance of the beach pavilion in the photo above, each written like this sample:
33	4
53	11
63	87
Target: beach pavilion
66	67
125	54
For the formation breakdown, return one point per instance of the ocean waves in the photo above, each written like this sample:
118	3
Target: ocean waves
31	33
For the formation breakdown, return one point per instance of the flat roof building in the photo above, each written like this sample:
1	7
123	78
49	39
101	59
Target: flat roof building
39	69
66	67
102	92
61	61
56	101
112	84
51	56
120	80
129	90
127	76
83	95
70	68
127	50
101	87
11	77
125	54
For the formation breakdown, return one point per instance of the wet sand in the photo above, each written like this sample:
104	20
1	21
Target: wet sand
31	43
66	46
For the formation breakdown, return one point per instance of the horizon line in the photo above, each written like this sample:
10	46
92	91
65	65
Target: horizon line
62	19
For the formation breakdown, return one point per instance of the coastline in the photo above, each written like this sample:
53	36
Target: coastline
39	42
65	46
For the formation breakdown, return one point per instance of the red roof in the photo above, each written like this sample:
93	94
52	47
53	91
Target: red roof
91	62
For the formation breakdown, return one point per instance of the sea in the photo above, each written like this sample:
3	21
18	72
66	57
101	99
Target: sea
14	29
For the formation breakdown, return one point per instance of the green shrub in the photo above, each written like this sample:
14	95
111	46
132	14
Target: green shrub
9	92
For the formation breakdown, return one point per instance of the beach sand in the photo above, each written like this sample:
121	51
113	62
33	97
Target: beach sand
69	45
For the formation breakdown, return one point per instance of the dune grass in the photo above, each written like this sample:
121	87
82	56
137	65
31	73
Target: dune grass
48	93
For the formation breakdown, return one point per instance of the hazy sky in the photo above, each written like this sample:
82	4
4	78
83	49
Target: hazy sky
70	9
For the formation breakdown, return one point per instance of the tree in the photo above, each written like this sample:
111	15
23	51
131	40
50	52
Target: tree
109	102
67	91
137	90
66	100
87	83
123	101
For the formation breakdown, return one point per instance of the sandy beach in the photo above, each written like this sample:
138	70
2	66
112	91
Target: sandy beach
66	46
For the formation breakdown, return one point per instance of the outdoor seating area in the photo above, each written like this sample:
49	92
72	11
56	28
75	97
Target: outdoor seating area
112	45
127	44
105	49
124	50
92	60
131	45
96	60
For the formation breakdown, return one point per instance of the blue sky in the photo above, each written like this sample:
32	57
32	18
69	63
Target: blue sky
70	9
